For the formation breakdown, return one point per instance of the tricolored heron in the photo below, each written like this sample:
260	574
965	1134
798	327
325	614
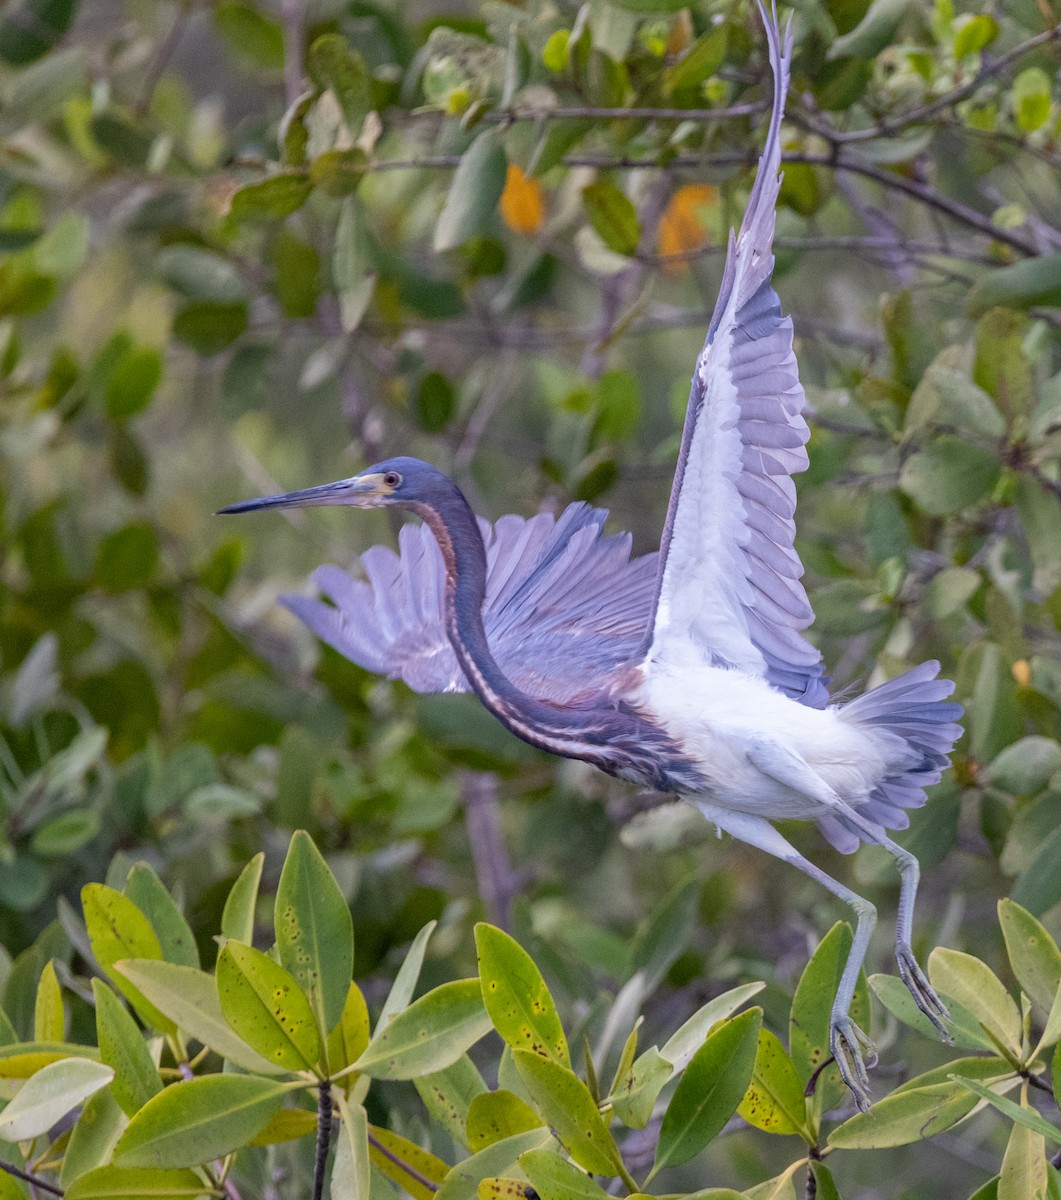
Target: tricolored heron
685	670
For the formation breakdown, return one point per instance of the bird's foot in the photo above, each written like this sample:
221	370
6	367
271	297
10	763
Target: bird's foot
846	1041
921	990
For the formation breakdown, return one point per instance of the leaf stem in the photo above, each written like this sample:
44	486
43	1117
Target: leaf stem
33	1180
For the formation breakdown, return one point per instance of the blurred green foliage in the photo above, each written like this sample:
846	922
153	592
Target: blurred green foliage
242	252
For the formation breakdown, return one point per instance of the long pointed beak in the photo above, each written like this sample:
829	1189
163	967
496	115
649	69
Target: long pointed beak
358	491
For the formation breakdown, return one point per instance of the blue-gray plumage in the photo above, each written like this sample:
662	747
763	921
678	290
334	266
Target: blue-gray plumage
686	670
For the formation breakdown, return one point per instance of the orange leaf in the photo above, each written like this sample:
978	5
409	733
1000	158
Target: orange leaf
682	228
522	202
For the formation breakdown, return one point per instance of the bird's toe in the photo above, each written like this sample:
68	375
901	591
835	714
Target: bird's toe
923	993
847	1042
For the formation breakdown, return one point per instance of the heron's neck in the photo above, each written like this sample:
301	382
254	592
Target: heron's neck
596	731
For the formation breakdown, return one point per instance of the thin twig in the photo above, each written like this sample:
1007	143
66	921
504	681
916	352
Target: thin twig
896	125
503	116
498	883
410	1170
32	1180
165	51
324	1136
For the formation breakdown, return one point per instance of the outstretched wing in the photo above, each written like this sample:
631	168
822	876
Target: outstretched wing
729	576
564	606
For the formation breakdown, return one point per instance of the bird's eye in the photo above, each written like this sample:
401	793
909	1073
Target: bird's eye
392	479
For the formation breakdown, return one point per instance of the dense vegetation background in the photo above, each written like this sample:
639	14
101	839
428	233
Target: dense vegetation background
248	247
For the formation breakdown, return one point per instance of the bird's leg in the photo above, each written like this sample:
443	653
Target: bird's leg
846	1040
917	984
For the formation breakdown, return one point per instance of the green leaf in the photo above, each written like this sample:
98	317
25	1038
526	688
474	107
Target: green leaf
273	198
198	1120
516	996
974	33
1023	1175
501	1158
808	1027
554	1178
780	1187
408	973
1001	365
567	1106
149	894
1032	99
949	474
334	64
1025	766
947	398
1030	283
123	1049
30	28
474	192
137	1183
449	1094
49	1020
117	929
612	216
264	1004
1020	1113
189	999
637	1090
1039	887
875	31
989	1068
347	1041
250	35
665	934
314	930
977	988
698	63
1033	954
237	919
908	1116
494	1116
351	1171
200	274
774	1101
20	1060
823	1178
962	1026
432	1033
393	1153
127	558
709	1091
133	382
93	1137
208	327
49	1095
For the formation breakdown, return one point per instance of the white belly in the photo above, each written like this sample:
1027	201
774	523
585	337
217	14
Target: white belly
717	716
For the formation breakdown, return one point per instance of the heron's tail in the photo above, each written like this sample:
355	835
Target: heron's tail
914	709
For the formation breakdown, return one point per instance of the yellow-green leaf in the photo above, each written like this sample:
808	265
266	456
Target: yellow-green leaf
286	1125
314	930
567	1106
494	1116
903	1117
1023	1174
449	1094
516	996
499	1160
638	1089
198	1120
117	930
92	1139
237	919
137	1183
150	895
554	1178
1033	954
403	1153
774	1100
977	988
432	1033
122	1048
347	1041
189	998
612	216
474	192
20	1060
48	1019
263	1003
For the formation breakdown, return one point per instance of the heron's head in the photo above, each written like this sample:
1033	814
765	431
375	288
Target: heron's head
407	481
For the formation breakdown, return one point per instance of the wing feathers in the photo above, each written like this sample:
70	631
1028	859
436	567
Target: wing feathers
565	605
729	573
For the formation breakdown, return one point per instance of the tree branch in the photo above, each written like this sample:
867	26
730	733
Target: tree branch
32	1180
324	1136
401	1164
